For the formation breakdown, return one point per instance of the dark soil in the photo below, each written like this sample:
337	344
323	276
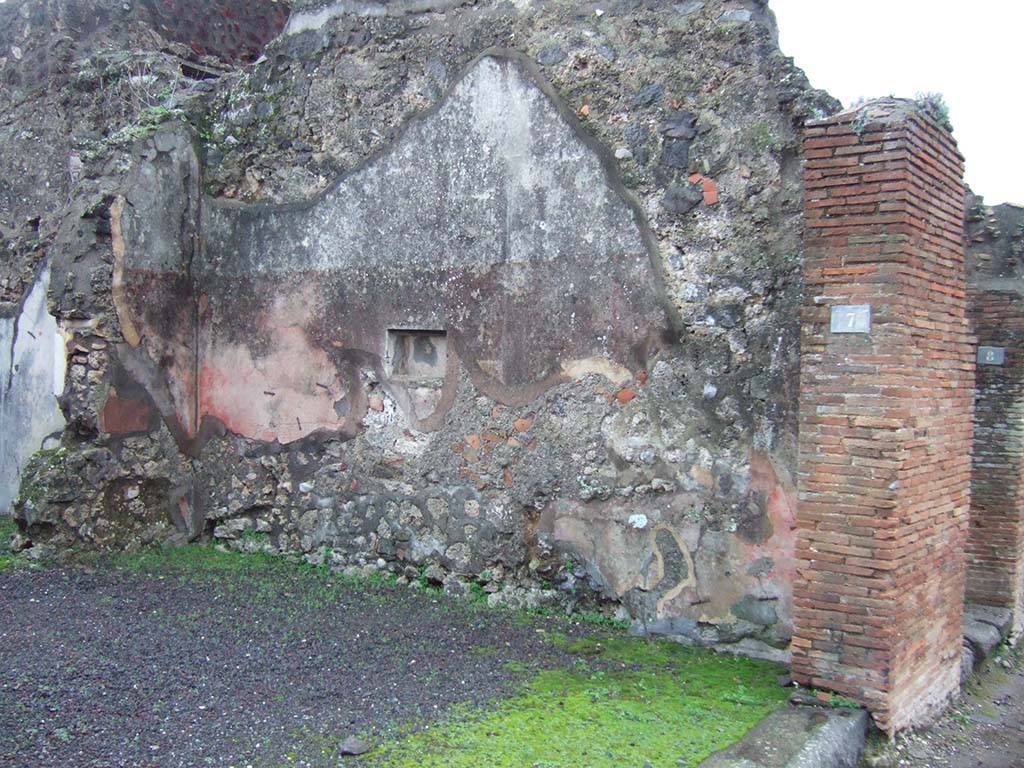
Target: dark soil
267	666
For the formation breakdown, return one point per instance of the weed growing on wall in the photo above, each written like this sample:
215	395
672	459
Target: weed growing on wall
935	105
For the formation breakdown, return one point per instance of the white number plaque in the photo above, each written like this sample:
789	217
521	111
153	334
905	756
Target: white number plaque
992	355
851	318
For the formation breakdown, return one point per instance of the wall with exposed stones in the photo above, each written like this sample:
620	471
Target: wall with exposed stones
494	291
504	292
510	292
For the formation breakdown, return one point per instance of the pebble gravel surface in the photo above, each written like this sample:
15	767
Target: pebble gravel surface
102	667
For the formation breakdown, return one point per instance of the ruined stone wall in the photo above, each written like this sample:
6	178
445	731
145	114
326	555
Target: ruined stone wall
526	317
995	544
508	292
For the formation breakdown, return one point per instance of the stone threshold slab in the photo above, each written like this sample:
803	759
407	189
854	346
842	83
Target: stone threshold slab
798	737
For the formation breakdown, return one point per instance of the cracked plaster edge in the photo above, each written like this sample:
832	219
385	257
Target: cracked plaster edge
118	287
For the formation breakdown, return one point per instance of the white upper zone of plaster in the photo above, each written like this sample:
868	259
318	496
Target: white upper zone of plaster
316	18
497	174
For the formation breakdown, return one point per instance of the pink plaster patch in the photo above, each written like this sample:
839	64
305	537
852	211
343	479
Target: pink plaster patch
781	545
781	507
762	473
285	394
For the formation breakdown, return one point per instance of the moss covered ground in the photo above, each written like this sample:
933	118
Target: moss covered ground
624	701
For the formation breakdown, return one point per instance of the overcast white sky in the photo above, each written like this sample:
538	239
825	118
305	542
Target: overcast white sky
971	53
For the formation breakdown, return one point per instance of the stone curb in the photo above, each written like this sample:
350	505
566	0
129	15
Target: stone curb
816	737
984	628
798	737
836	744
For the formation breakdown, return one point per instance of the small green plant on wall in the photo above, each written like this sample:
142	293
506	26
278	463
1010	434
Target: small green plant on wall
935	105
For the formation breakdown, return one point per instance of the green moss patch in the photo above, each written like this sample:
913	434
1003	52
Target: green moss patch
260	576
624	702
197	558
7	529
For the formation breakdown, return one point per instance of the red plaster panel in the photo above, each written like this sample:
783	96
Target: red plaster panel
124	416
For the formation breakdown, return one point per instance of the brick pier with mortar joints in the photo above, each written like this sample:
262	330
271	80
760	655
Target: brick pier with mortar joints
995	542
885	416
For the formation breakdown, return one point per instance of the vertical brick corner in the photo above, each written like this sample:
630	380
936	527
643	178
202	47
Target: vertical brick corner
885	415
995	542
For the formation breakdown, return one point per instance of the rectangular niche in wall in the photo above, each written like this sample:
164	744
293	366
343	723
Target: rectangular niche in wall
417	354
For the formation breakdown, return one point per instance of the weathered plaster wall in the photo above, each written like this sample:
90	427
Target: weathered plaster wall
490	220
496	221
32	370
382	299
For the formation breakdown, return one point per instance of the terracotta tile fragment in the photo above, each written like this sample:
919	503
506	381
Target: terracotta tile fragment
523	424
624	395
710	190
124	416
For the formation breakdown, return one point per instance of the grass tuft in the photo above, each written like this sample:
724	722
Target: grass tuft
9	559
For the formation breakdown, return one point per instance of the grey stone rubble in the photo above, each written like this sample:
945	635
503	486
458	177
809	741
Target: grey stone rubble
985	627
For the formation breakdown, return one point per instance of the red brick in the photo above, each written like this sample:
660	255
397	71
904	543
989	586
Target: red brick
885	419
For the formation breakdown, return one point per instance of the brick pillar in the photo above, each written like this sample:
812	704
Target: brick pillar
885	414
995	543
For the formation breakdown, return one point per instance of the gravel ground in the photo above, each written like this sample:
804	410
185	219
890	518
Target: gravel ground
984	729
106	667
